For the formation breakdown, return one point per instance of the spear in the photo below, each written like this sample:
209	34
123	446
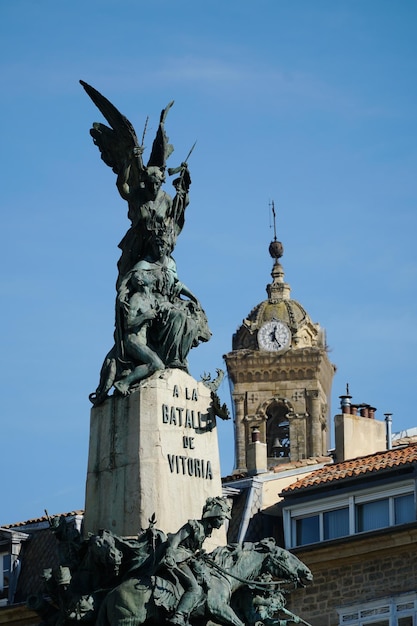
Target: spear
177	170
294	618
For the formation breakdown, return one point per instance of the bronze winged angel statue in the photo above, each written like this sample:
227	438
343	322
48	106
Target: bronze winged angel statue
158	319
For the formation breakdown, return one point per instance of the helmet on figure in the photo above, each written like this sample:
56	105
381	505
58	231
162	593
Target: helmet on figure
217	507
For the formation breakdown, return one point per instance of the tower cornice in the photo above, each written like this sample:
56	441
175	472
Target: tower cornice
304	363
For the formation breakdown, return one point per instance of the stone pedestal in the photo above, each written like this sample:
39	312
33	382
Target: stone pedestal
155	451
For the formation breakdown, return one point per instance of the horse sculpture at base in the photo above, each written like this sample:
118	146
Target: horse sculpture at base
227	569
107	580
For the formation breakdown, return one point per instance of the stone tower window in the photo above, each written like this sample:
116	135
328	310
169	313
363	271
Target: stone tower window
277	430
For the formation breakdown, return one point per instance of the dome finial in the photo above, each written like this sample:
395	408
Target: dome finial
278	289
274	218
276	249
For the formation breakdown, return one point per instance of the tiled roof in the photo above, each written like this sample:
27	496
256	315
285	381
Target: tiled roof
40	520
291	465
370	464
282	467
233	477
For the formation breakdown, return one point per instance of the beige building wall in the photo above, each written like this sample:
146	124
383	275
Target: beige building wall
353	572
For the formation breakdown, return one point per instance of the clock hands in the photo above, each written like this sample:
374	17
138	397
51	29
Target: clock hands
274	338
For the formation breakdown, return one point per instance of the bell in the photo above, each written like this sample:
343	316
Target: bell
276	447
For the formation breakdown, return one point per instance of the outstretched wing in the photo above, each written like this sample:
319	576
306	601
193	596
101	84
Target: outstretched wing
161	148
116	144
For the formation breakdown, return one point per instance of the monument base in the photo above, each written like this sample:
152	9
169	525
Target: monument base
155	451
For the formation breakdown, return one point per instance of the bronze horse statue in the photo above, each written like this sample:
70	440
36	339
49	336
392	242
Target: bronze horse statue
153	599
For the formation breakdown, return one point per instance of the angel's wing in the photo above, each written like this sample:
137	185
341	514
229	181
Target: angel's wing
116	144
161	148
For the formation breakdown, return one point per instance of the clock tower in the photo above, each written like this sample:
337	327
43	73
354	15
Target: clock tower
281	377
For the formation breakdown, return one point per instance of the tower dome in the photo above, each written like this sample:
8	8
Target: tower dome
279	307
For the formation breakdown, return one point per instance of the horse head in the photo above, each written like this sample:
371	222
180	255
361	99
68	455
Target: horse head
104	553
282	564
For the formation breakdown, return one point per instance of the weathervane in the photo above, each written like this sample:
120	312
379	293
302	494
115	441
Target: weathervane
276	249
272	207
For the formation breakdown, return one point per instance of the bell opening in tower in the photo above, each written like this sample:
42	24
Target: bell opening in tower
277	431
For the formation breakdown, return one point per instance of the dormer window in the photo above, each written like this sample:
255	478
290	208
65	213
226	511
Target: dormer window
10	546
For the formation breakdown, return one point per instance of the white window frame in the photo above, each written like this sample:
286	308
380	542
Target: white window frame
294	512
390	609
4	601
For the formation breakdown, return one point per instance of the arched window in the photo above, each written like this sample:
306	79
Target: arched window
277	430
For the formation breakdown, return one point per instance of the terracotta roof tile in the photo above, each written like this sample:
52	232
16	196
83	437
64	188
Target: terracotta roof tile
389	459
233	477
40	520
282	467
298	464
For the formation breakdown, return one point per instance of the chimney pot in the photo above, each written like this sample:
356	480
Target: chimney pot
256	434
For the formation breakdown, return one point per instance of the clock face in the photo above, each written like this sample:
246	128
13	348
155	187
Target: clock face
274	336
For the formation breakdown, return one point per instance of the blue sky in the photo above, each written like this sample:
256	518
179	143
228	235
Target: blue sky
311	103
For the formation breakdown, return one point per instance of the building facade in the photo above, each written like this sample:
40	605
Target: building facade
354	524
350	514
26	550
